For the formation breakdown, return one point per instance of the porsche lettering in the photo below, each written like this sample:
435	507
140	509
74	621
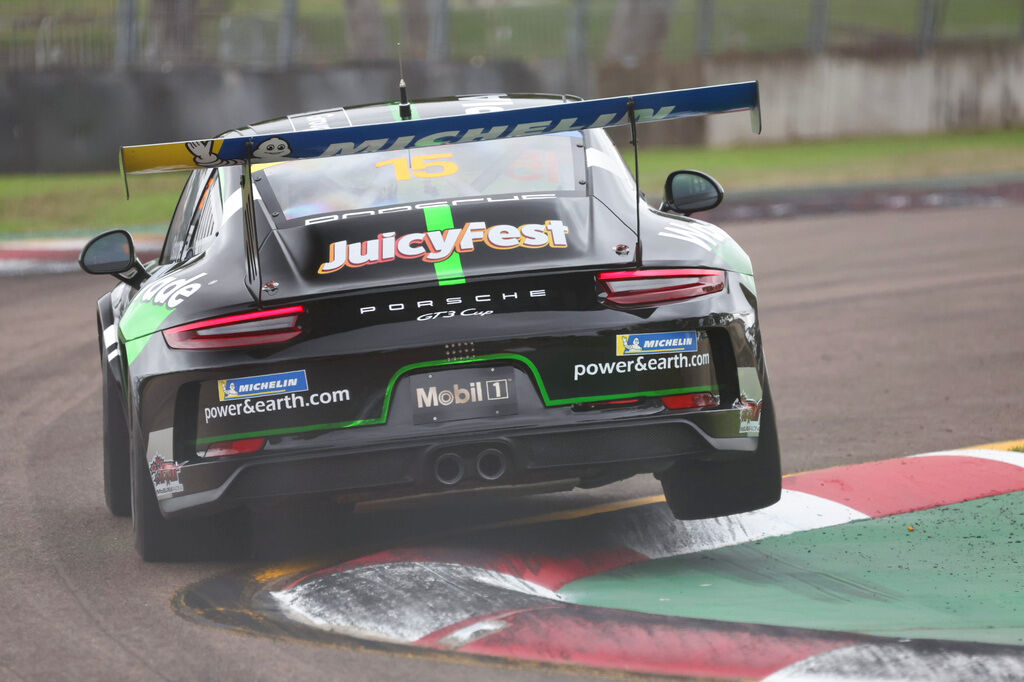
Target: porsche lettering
454	301
330	218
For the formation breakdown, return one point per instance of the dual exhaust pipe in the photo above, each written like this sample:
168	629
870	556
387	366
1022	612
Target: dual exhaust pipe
490	464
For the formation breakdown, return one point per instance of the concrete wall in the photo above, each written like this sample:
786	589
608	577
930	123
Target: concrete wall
848	96
76	120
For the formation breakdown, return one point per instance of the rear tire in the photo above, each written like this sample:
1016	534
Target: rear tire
117	480
696	489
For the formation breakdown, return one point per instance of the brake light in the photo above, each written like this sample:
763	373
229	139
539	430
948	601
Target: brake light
689	401
235	447
583	407
235	331
647	287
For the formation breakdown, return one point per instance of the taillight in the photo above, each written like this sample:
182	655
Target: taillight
234	331
235	447
647	287
689	401
584	407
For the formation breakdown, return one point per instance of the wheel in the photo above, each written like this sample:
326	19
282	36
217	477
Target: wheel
697	489
117	485
158	539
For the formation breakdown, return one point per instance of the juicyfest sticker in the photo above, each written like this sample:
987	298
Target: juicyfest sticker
662	342
262	385
437	246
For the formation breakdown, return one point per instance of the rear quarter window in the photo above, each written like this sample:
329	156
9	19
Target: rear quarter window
536	164
177	231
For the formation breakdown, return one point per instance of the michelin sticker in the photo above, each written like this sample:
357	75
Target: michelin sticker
269	150
266	393
262	385
664	342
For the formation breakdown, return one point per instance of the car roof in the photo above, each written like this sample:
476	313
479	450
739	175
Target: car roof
386	112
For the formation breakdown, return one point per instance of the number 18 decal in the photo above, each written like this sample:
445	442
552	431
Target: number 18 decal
422	166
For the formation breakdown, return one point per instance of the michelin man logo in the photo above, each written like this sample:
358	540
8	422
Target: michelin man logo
633	346
268	150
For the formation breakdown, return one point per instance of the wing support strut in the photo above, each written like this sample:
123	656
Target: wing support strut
252	246
631	111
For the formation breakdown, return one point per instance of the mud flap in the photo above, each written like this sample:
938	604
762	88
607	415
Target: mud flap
705	489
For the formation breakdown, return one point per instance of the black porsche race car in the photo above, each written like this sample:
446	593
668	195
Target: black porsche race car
391	300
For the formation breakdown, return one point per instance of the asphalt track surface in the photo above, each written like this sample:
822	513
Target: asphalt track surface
887	334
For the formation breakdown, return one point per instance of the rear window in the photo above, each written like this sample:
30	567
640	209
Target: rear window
541	163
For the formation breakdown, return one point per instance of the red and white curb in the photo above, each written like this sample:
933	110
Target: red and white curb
506	604
32	256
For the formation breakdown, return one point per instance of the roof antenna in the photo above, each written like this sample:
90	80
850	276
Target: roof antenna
404	108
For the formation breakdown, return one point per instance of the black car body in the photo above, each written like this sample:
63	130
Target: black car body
429	320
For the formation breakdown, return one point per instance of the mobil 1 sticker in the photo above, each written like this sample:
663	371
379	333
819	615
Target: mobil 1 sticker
448	395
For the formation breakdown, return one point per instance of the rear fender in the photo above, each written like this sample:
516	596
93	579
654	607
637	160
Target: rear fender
110	346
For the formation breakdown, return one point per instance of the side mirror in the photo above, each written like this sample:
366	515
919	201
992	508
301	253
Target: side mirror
688	191
113	253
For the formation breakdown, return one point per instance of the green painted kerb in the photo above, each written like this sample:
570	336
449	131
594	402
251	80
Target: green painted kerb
448	271
439	363
959	574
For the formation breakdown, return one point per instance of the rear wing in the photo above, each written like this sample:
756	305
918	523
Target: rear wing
397	135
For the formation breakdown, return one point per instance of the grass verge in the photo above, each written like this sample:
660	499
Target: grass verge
843	162
61	204
88	202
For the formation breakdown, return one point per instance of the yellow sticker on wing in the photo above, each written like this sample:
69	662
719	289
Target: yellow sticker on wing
171	156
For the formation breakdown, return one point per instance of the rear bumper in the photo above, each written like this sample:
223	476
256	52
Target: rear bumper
351	466
373	447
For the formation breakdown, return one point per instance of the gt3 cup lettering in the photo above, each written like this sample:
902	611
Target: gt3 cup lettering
438	246
443	314
286	402
641	364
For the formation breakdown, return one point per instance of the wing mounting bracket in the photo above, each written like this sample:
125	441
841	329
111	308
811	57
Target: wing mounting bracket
252	246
